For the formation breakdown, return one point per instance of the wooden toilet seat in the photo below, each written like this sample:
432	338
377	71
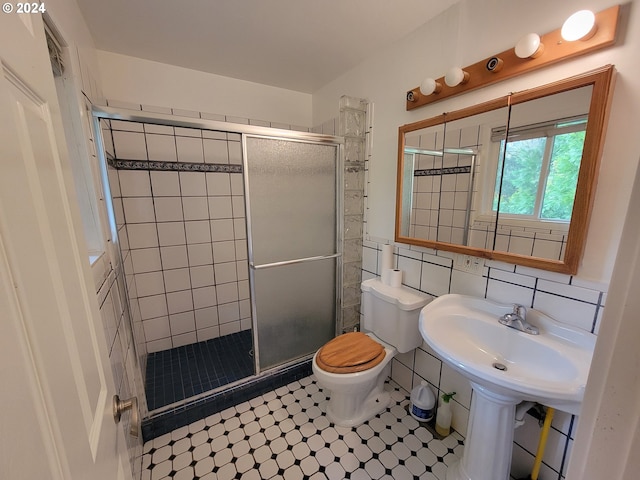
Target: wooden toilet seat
350	353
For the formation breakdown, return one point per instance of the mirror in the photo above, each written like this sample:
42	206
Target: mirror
511	179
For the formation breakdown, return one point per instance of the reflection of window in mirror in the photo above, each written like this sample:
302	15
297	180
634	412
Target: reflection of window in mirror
551	164
540	173
535	191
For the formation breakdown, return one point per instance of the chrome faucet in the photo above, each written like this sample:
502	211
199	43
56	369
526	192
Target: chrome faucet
517	320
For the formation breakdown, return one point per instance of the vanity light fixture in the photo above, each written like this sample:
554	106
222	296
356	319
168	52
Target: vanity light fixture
456	76
531	52
429	86
529	46
579	26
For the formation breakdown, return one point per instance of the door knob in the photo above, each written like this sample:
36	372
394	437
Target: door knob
120	406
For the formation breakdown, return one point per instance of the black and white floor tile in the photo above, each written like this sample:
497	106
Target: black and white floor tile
285	434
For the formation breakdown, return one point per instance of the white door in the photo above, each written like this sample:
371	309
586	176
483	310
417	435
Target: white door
56	385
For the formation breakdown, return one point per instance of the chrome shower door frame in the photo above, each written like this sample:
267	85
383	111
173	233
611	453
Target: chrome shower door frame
307	138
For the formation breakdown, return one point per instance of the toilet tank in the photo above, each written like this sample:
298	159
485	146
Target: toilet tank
392	313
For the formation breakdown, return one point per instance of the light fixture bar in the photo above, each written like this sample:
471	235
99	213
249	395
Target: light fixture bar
556	50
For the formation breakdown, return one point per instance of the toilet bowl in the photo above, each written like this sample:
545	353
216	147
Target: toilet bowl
357	396
354	366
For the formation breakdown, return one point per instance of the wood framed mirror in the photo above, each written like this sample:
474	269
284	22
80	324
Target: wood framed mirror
512	179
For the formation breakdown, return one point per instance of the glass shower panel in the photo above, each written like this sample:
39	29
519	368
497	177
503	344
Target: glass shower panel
296	310
292	188
292	205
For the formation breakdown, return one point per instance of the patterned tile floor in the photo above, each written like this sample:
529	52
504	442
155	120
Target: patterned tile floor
285	434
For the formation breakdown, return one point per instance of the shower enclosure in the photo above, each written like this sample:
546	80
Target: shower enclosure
230	237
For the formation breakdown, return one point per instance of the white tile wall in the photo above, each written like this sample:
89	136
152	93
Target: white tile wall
157	328
177	279
202	276
148	284
161	148
146	260
197	231
168	209
164	184
186	233
135	184
200	254
190	149
220	207
215	151
235	153
142	235
129	145
193	184
138	210
174	257
222	230
204	297
219	183
162	129
171	233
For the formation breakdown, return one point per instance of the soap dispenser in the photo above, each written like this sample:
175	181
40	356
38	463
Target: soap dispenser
443	417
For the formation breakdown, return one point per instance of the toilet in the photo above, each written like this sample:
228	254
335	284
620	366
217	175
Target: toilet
354	366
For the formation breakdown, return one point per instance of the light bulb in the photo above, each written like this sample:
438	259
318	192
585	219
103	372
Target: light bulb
529	46
580	25
456	76
429	86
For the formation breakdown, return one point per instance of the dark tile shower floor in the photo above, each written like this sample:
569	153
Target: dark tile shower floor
182	372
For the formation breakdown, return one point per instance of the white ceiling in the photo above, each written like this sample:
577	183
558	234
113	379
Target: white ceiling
294	44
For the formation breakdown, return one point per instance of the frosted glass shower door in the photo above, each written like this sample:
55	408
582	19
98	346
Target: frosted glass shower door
293	238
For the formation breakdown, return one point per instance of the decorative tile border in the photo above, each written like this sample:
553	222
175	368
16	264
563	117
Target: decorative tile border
122	164
441	171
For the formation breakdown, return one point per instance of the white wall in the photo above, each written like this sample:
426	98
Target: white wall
464	34
139	81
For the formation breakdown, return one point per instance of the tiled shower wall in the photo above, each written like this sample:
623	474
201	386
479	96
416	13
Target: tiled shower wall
566	298
179	206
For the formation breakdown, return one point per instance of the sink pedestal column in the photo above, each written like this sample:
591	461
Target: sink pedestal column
489	441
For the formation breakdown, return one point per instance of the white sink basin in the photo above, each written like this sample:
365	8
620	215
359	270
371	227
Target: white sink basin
550	368
505	367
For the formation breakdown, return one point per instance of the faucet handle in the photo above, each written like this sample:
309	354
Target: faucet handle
520	310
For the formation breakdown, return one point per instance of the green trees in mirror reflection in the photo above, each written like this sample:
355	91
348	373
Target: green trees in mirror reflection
540	174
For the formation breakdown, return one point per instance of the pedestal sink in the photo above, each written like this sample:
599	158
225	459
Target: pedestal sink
505	367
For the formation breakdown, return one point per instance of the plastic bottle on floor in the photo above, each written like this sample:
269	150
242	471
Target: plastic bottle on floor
443	418
422	402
